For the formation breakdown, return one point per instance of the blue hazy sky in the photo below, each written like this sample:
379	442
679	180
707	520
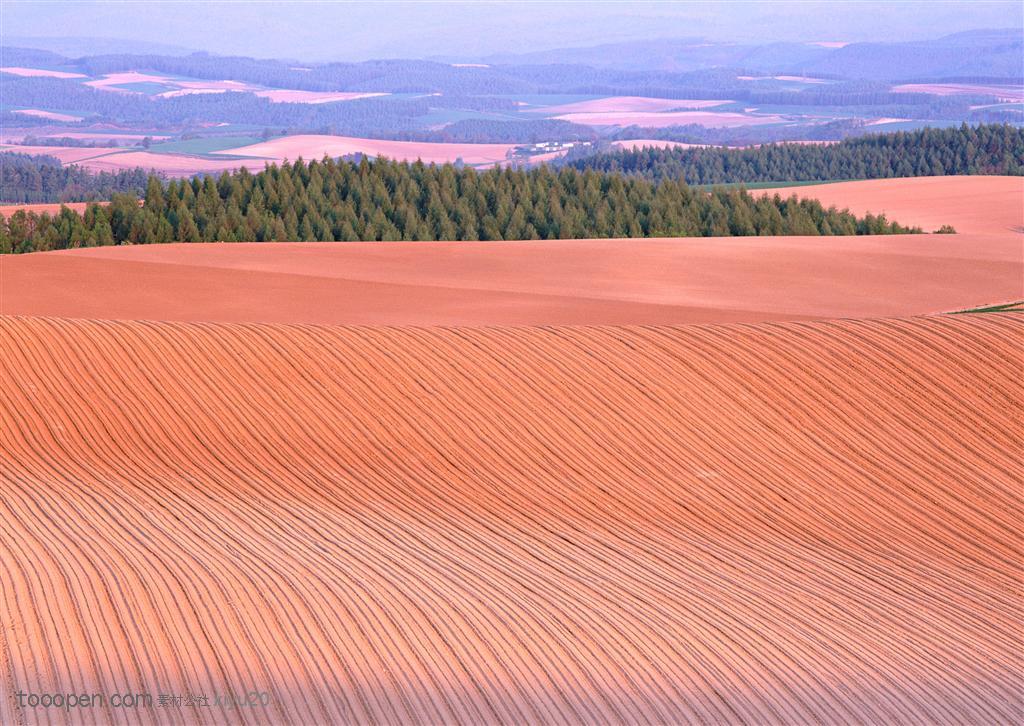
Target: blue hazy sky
316	31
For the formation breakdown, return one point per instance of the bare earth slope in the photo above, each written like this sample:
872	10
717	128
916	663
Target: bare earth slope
561	282
800	522
695	280
975	204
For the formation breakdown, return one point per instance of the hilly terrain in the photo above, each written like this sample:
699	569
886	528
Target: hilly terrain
778	523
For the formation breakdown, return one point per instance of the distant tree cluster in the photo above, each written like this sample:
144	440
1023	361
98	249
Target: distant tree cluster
986	149
32	179
385	200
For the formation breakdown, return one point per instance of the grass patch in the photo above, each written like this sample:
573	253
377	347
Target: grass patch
147	87
1010	307
771	184
203	145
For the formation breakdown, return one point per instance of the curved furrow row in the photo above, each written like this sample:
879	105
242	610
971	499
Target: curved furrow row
743	523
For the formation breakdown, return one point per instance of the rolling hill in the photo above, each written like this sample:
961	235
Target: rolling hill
775	523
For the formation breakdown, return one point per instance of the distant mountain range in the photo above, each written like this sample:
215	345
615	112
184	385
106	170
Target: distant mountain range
76	47
996	53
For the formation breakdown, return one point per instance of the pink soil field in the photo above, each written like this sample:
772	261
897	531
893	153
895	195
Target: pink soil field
886	120
646	281
189	92
275	151
37	72
289	96
312	146
183	88
797	79
116	79
170	164
66	154
650	119
102	136
1013	94
746	521
777	523
630	103
973	204
47	114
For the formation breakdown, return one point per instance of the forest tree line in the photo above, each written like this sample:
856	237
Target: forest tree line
386	200
35	179
985	149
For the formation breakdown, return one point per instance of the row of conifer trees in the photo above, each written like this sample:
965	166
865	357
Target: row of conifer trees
385	200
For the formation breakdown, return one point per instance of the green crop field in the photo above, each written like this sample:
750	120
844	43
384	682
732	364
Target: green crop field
204	145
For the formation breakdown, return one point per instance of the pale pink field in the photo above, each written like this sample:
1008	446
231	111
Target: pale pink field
797	79
189	92
277	150
111	80
830	43
885	120
102	136
1010	94
313	146
185	88
674	118
213	85
991	205
48	114
115	79
631	103
169	164
35	72
279	95
66	154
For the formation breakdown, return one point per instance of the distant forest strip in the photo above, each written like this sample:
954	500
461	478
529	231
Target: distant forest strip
985	149
385	200
34	179
992	149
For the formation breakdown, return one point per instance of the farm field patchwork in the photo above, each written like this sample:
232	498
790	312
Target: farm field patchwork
313	146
